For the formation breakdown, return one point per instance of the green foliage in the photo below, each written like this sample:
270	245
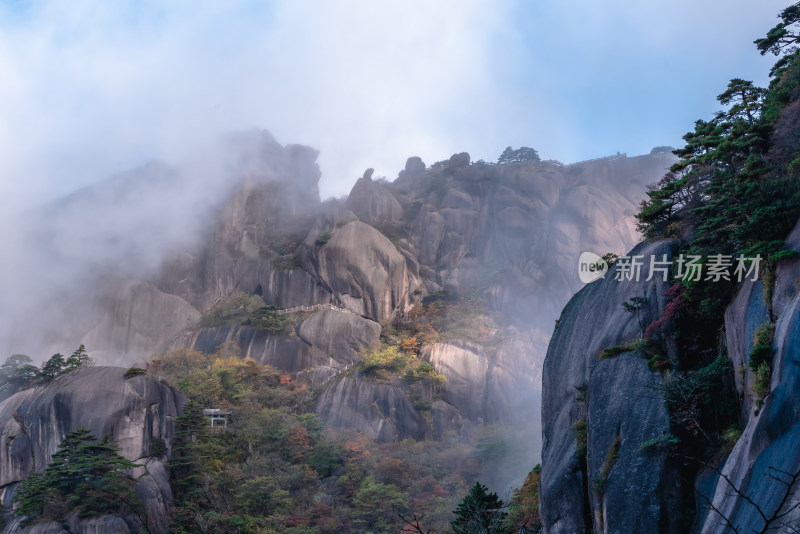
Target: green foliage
236	308
84	474
581	438
761	382
265	318
273	468
783	38
16	374
286	263
77	359
391	361
442	316
134	371
479	511
638	345
634	307
701	403
158	448
323	238
664	442
608	465
733	192
53	367
762	348
522	154
186	467
582	389
376	505
523	510
18	371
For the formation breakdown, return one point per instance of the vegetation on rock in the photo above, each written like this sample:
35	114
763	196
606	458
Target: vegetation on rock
18	371
274	469
86	475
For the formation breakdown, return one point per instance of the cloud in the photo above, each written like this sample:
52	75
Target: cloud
95	88
91	88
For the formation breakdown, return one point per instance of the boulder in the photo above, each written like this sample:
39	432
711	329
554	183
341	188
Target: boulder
364	271
373	203
456	161
133	412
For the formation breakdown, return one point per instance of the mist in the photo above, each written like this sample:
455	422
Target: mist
91	89
115	118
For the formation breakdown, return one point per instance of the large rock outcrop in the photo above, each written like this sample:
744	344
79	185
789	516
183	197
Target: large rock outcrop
320	346
765	459
364	270
467	370
373	204
379	410
590	406
133	412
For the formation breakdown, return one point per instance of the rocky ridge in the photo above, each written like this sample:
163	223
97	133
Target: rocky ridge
510	234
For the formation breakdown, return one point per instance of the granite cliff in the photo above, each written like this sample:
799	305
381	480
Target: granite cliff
509	233
133	412
484	253
598	415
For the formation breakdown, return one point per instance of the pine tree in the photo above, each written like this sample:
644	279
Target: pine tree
79	358
84	474
186	465
480	512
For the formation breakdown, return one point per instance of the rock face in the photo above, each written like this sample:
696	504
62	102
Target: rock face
321	345
373	204
754	489
768	445
140	317
364	270
584	487
467	370
132	412
381	411
344	270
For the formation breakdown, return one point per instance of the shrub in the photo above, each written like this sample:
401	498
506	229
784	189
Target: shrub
134	371
391	361
762	348
631	346
323	238
233	309
664	442
158	448
286	263
581	437
761	382
265	318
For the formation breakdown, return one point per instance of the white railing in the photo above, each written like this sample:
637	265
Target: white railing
613	156
314	307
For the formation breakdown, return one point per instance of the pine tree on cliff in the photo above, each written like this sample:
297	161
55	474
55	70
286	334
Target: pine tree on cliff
85	474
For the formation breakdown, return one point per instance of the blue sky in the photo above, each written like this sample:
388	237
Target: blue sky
89	88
